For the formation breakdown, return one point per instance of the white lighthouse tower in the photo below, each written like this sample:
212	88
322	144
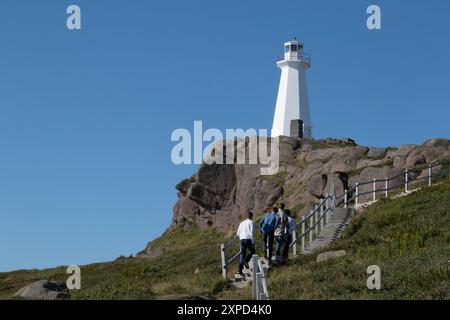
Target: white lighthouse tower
292	101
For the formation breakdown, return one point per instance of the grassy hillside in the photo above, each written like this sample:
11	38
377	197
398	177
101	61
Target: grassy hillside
409	238
170	276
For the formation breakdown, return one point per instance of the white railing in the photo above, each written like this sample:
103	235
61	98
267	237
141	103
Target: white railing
402	181
259	284
300	56
227	261
311	225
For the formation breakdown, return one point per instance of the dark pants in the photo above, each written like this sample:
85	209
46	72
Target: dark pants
246	257
268	244
288	240
280	240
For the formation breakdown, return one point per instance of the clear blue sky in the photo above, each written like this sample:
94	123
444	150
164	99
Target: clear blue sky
86	116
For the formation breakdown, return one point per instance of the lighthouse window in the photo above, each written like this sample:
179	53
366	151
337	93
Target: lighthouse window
286	49
293	47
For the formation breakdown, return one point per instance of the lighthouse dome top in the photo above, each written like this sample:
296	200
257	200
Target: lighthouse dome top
293	50
293	45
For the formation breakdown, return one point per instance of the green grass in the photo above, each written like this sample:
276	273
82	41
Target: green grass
171	275
409	238
318	145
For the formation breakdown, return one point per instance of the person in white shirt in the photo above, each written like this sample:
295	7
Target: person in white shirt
246	237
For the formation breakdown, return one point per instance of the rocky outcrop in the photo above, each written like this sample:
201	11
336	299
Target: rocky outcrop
219	196
44	290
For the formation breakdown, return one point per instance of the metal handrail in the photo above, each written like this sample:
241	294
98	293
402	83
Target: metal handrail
231	242
406	182
310	228
353	188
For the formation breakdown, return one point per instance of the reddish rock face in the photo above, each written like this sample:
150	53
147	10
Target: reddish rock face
219	196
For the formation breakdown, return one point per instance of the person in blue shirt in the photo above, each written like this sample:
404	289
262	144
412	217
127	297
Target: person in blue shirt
268	225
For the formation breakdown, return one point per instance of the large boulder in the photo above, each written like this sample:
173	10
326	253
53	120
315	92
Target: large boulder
44	290
400	155
185	211
317	185
288	146
415	158
375	152
437	142
336	182
433	154
320	154
325	256
345	159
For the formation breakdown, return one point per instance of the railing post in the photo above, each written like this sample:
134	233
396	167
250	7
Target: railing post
328	206
345	198
316	220
257	281
294	247
310	226
374	189
254	277
406	181
322	218
357	194
224	261
429	175
302	240
387	188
